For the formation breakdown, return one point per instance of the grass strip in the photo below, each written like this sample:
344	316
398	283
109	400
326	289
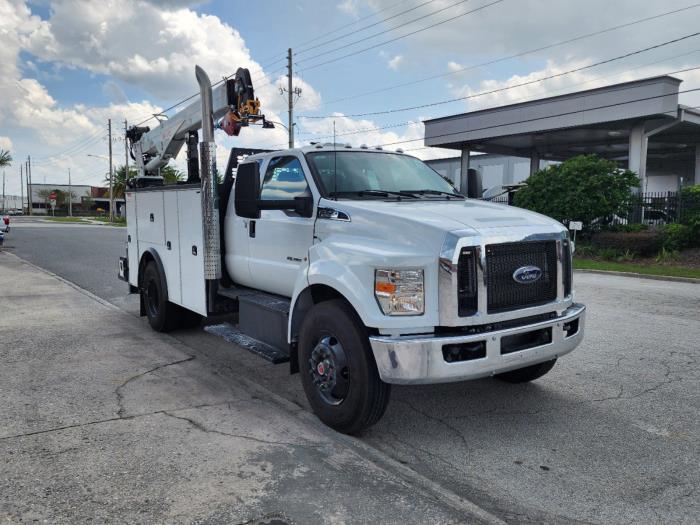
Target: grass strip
662	270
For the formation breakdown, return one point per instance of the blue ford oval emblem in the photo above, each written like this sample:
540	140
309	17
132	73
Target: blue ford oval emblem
527	274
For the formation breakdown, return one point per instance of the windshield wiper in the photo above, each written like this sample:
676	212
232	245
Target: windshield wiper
433	192
378	193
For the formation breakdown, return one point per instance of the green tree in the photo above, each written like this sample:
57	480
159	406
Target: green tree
583	188
120	180
5	158
171	175
86	201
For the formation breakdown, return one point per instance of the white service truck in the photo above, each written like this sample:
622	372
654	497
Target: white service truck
360	267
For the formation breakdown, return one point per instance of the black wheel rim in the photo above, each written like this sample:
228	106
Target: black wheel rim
152	299
329	370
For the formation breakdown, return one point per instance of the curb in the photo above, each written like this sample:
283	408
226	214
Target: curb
643	276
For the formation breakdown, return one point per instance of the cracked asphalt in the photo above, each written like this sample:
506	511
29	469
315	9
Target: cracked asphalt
611	435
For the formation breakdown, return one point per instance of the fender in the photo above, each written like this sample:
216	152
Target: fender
150	254
347	265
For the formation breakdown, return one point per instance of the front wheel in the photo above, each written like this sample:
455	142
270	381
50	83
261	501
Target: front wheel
529	373
337	368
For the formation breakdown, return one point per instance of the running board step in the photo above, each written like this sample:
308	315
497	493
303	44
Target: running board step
233	335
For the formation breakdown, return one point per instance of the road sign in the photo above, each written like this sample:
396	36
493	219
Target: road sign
52	196
576	225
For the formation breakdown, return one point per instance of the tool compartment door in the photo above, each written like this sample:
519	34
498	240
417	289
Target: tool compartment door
191	248
132	246
170	255
149	217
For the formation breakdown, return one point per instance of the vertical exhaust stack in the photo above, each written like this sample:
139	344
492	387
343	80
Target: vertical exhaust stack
210	195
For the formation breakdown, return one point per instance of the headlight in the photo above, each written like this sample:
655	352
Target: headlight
399	292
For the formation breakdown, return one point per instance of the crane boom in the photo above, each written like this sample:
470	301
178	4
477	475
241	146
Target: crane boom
152	149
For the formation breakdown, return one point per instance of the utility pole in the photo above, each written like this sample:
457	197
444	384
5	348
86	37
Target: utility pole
70	196
291	93
21	189
3	191
290	100
111	200
29	187
126	158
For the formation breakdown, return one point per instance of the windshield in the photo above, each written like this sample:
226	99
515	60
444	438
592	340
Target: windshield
349	173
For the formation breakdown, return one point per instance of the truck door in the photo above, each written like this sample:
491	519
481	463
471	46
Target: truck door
279	241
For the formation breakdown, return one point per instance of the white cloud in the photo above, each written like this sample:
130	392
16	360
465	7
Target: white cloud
395	62
5	143
363	131
518	88
349	6
152	45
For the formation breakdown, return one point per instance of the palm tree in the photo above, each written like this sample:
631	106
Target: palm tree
5	158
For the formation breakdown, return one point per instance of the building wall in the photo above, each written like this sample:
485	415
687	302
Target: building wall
79	191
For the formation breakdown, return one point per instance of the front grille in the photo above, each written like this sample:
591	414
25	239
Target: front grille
504	293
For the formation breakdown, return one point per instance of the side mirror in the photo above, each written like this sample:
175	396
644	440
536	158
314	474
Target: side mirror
304	205
247	190
474	187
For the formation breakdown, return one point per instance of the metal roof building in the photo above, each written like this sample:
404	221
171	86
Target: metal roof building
639	124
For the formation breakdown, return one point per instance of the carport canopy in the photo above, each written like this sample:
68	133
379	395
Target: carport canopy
639	124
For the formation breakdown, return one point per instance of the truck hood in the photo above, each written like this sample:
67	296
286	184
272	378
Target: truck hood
446	215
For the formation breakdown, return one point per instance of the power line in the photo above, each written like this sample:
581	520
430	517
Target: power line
606	106
375	13
510	57
73	146
376	24
457	99
314	66
548	94
401	124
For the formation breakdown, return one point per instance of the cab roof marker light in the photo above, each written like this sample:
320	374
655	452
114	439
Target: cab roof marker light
379	148
364	146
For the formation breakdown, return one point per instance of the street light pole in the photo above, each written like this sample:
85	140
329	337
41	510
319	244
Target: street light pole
70	196
111	197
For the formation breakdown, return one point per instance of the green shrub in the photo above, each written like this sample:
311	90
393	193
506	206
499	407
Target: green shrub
665	256
676	237
629	228
690	205
585	188
643	242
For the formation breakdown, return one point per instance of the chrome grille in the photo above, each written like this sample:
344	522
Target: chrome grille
503	292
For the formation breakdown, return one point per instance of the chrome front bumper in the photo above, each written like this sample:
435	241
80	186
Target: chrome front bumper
419	359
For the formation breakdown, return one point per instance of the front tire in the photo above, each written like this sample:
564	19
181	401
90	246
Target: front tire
163	316
337	368
529	373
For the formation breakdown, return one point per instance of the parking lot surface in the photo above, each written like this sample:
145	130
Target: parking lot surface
611	435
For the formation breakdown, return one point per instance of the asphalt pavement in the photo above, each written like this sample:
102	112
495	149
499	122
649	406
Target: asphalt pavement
611	435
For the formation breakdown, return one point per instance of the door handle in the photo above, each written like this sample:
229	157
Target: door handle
251	229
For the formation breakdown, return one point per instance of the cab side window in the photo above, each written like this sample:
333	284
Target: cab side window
284	180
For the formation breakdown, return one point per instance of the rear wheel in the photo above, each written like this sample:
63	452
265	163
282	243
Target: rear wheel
529	373
337	368
163	316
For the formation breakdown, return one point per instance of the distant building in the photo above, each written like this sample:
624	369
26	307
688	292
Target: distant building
12	202
84	198
495	169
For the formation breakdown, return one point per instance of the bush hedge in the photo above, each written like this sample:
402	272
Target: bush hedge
647	242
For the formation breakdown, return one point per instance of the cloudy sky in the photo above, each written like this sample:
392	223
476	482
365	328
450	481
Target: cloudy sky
66	66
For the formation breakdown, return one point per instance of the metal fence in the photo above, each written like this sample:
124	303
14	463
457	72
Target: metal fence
651	208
